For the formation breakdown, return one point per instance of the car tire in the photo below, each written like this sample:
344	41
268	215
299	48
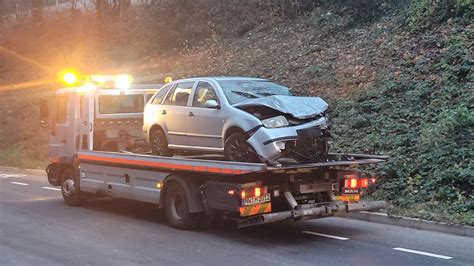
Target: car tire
177	209
70	188
159	144
237	149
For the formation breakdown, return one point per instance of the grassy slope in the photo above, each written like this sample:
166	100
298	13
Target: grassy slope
392	92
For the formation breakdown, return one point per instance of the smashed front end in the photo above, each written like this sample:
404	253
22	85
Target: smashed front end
294	128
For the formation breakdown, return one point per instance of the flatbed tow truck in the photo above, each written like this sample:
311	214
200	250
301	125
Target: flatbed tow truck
96	150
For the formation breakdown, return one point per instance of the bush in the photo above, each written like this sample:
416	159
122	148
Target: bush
424	13
426	126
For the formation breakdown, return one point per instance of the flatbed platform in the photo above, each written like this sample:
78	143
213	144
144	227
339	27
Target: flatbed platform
192	164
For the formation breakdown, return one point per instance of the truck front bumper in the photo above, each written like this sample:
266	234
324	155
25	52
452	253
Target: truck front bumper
307	212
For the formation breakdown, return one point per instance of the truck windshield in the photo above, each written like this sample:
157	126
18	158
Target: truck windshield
116	104
240	90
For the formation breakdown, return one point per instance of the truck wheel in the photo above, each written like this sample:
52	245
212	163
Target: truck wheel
70	189
237	149
158	143
177	209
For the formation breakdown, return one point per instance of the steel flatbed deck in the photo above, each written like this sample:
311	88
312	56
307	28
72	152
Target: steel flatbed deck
195	165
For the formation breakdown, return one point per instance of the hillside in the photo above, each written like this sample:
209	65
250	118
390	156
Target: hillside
398	77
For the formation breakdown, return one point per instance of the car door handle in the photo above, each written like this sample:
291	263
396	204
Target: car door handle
163	112
190	114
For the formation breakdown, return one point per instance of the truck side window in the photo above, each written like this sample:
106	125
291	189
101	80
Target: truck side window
204	92
160	95
120	104
61	114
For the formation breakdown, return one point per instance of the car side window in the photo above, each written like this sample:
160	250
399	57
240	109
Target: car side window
204	92
160	95
180	95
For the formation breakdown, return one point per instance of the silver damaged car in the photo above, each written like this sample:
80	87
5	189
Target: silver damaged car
246	119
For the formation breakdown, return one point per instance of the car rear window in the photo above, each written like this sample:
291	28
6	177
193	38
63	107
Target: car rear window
117	104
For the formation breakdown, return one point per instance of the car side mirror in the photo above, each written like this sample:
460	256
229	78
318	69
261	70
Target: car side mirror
212	104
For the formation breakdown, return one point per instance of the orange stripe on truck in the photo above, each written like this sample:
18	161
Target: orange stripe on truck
170	166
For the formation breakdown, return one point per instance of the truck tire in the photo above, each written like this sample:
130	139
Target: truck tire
158	143
177	209
237	149
70	189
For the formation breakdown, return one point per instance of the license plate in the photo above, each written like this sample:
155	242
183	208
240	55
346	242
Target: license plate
256	200
350	191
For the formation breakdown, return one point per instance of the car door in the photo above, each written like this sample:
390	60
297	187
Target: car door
205	125
174	110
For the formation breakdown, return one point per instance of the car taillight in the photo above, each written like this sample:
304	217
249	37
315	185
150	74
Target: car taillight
243	194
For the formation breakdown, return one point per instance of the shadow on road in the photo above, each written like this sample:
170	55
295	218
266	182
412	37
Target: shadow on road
284	233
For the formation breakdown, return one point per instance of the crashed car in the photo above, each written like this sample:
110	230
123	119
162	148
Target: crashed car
246	119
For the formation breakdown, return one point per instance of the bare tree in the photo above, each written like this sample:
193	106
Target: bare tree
37	11
2	10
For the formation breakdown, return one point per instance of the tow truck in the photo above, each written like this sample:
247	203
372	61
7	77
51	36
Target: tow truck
96	150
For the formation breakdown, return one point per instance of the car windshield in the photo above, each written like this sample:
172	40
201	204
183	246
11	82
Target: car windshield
241	90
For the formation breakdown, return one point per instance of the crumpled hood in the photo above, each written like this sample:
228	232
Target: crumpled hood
298	107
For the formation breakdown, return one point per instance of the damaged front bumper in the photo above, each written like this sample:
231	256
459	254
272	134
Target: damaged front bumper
308	212
269	143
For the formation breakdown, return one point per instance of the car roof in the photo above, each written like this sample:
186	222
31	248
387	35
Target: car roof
219	79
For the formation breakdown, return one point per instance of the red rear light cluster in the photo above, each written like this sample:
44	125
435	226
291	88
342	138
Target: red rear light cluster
253	192
357	182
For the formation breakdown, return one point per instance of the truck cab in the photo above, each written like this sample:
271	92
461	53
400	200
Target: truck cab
94	117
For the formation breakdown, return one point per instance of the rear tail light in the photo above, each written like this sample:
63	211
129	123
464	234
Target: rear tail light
253	192
364	182
358	183
351	183
257	192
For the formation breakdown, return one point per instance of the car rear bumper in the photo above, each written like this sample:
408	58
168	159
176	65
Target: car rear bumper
265	141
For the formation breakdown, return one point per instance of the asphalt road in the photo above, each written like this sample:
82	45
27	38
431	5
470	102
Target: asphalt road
37	228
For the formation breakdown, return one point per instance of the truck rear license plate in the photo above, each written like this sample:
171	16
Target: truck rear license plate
350	191
256	200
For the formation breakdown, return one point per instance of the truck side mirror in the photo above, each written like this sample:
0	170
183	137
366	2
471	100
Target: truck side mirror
44	111
212	104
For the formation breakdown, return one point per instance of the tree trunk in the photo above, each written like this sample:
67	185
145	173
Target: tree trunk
2	10
37	11
100	6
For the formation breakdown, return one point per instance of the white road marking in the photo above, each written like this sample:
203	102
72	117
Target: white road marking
5	176
325	235
424	253
52	188
19	183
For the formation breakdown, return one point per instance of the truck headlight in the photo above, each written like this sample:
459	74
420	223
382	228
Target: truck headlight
277	121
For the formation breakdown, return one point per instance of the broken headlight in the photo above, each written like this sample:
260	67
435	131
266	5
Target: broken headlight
274	122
